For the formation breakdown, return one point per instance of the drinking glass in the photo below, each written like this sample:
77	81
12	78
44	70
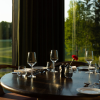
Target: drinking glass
53	58
47	66
31	60
22	71
98	68
89	59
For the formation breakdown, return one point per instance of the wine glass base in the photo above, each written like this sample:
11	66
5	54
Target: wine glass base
53	70
89	72
32	76
23	76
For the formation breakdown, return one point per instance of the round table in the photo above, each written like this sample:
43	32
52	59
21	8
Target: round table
48	85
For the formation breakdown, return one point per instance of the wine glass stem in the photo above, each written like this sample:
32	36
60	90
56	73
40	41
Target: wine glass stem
32	71
53	65
89	65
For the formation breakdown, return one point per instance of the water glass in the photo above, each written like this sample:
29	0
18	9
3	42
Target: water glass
54	58
31	60
89	59
22	71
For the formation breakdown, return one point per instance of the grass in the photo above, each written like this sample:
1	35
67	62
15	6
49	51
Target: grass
5	54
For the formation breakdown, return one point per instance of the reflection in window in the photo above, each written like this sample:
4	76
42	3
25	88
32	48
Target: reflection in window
82	28
5	31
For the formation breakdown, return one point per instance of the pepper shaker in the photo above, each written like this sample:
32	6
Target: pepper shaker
69	71
63	70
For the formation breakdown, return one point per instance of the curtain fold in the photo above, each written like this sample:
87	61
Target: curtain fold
41	29
15	30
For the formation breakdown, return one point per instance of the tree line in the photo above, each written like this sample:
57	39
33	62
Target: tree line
5	30
82	26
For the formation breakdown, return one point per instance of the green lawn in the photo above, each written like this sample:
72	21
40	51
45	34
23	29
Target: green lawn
5	54
5	51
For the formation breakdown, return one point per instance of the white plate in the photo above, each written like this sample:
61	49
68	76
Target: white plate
14	72
85	67
89	91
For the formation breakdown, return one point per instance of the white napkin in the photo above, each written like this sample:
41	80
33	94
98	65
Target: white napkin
23	70
74	67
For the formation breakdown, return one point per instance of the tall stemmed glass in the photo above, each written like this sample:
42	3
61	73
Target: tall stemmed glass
31	60
53	58
89	59
98	69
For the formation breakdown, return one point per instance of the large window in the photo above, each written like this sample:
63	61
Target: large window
5	31
82	28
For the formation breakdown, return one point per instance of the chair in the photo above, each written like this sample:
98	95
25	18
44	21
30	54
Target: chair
12	96
4	70
74	63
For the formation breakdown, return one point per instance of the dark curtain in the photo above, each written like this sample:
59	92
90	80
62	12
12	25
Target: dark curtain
41	29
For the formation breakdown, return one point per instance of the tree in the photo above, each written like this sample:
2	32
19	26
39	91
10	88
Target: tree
95	28
79	31
86	22
5	30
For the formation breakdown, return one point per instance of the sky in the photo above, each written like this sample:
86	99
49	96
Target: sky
66	7
6	10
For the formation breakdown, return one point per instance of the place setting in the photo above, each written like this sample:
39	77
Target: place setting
31	61
87	89
91	88
90	69
30	72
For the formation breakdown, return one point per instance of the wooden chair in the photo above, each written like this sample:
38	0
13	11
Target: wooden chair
8	66
12	96
74	63
3	68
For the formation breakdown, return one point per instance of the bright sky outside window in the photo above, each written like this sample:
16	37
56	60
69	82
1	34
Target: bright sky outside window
66	7
6	10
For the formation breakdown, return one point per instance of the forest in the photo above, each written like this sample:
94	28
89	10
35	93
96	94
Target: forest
82	28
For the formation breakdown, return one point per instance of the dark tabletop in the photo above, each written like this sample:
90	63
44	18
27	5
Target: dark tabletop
48	84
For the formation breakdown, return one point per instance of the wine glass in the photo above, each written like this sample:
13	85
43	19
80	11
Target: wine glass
53	58
98	68
89	59
31	60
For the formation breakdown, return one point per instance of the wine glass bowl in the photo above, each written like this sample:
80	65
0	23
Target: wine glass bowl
31	61
53	58
89	59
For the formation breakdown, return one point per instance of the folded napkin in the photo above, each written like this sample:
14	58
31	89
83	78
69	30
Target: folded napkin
74	67
23	70
28	70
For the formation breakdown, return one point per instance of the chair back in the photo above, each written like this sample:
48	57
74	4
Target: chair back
8	66
6	69
74	63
